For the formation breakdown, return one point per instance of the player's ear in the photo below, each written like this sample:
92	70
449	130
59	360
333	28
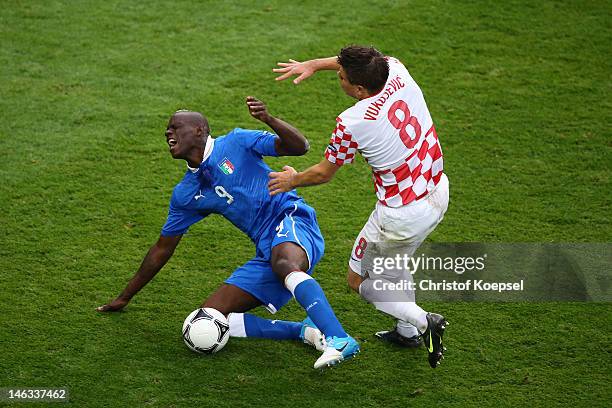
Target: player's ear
362	92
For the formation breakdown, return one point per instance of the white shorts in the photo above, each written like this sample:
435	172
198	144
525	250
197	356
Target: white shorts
411	223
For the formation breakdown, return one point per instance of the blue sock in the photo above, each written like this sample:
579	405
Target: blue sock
310	295
255	326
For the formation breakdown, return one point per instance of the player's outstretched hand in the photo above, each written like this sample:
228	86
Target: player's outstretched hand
303	70
113	306
282	181
257	109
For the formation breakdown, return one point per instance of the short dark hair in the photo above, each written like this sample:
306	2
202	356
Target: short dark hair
365	66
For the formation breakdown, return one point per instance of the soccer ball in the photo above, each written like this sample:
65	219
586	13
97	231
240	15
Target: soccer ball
206	330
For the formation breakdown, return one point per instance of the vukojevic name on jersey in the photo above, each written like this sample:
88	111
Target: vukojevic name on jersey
394	132
232	181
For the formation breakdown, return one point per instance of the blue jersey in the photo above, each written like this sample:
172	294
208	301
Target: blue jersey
232	181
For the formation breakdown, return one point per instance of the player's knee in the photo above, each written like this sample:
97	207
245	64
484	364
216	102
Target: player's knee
223	309
287	258
283	267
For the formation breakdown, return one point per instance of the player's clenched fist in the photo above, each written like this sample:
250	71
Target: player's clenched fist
281	182
257	109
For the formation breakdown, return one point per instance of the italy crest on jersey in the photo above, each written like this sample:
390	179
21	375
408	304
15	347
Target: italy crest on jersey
226	166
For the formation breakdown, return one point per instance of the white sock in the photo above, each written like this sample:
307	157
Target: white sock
406	329
407	311
294	279
236	324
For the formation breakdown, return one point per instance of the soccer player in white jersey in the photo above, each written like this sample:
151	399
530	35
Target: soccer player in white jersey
391	127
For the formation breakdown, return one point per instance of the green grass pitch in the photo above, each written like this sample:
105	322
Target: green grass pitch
520	94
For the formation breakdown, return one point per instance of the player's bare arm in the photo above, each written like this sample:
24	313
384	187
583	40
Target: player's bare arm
156	258
289	178
305	69
291	142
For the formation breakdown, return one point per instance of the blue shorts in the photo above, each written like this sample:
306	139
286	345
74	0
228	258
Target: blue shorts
297	224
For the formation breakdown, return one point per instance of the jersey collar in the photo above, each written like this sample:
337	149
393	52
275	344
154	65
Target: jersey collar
210	142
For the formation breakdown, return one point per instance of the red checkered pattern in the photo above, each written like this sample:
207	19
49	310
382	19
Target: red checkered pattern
413	179
341	149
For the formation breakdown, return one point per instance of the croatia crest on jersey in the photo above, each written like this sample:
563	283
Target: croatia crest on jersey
226	166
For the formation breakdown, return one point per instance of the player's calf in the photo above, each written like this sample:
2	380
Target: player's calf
248	325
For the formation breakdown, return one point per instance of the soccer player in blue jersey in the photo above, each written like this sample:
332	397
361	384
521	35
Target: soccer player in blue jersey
227	175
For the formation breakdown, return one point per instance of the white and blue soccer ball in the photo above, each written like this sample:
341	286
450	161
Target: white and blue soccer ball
206	330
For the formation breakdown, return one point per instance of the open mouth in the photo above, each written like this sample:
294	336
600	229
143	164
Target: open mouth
172	143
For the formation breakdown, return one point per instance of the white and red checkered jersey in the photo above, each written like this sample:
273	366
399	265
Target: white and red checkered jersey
394	132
